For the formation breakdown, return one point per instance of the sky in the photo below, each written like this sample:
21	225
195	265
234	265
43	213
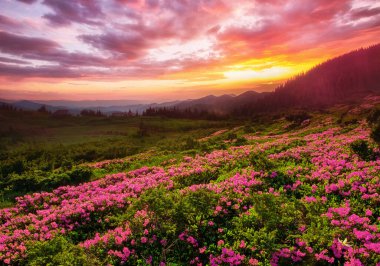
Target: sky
165	50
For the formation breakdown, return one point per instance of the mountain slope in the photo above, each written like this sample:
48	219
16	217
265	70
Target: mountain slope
221	104
347	78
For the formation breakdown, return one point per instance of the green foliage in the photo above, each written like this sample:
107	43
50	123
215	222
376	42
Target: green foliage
47	149
362	149
190	143
260	161
375	133
39	180
58	251
197	178
374	120
172	214
297	118
142	130
240	141
272	222
267	211
374	116
231	136
248	129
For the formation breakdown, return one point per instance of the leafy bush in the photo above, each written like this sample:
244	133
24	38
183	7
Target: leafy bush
374	120
231	136
58	251
38	180
248	129
190	143
240	141
260	162
374	116
297	118
362	149
375	133
290	199
196	178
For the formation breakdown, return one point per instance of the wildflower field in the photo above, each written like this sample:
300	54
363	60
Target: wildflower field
306	196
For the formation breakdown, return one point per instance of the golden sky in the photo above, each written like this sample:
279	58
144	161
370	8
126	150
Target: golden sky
160	50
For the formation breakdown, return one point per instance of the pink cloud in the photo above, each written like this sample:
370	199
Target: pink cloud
80	11
8	23
117	37
42	71
27	1
364	12
15	44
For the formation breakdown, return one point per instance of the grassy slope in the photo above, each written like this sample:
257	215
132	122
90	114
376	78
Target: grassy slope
260	227
39	147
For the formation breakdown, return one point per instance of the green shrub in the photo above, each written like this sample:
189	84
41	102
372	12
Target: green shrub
80	175
260	162
248	129
375	133
38	180
271	223
373	120
362	149
194	179
240	141
190	143
58	251
374	116
231	136
297	118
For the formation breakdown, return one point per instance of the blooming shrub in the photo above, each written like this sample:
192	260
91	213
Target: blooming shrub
304	197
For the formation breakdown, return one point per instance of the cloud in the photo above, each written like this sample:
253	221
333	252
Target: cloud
364	12
8	23
11	60
154	38
45	50
129	46
16	44
80	11
28	1
292	26
42	71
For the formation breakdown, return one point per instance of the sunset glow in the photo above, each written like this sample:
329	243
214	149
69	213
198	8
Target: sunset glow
166	50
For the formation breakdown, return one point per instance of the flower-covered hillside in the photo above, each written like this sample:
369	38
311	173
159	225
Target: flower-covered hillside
308	197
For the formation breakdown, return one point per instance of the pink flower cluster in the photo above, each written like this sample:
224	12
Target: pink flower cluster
321	172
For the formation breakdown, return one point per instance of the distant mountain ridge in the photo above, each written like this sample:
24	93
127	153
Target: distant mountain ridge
211	103
75	107
347	78
221	104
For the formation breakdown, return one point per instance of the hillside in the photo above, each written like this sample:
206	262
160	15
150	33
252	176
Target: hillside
221	104
347	78
278	196
189	133
344	79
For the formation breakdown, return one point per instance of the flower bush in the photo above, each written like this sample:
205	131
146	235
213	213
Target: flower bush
305	197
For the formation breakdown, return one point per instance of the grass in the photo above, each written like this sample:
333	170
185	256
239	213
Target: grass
38	145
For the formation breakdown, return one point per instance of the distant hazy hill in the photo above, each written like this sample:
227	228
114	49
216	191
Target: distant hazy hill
221	104
74	107
30	105
80	104
343	79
